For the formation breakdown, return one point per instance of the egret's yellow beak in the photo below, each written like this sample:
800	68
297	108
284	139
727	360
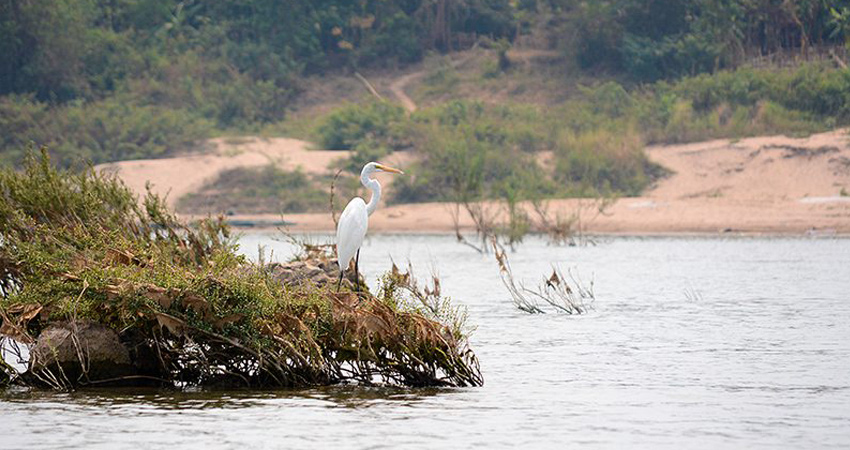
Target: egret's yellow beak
388	169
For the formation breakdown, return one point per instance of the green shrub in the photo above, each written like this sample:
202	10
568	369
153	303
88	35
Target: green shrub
812	88
770	117
743	102
440	81
365	152
451	171
346	127
397	40
22	120
247	103
604	162
113	129
471	151
256	191
609	99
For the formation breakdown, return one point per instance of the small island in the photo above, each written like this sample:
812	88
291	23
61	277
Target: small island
112	291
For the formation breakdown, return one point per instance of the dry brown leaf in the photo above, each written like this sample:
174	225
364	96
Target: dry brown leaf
158	294
114	256
79	262
25	311
9	330
374	325
270	329
112	291
554	279
174	325
69	277
14	331
292	324
226	320
196	303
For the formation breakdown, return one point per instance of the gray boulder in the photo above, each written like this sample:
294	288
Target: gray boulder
80	353
319	272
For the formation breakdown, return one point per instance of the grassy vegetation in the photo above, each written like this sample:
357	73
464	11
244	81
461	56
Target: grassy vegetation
77	246
114	129
350	125
440	81
260	190
748	102
604	162
470	150
236	66
473	150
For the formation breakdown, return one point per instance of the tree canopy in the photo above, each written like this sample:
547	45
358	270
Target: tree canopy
121	79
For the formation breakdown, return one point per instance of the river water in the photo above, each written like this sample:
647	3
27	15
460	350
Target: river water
694	343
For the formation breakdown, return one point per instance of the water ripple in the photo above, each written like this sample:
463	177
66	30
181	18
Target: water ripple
759	360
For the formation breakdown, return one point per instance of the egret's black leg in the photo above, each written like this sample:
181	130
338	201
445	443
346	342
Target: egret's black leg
357	270
339	284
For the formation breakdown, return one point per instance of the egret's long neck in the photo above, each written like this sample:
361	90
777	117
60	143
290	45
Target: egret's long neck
375	187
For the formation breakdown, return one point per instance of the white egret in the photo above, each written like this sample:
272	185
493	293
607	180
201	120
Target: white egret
354	220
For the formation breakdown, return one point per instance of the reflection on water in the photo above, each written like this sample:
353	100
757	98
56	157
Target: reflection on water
332	397
694	343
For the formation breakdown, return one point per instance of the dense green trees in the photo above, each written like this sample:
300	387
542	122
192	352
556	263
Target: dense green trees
67	49
81	49
87	71
652	39
117	79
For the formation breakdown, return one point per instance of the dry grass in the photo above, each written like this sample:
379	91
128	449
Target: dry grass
565	294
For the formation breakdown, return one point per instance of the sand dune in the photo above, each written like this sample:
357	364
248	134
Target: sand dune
771	184
178	176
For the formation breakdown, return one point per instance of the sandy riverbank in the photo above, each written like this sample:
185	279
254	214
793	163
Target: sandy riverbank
770	185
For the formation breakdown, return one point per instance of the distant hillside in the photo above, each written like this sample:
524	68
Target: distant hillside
110	81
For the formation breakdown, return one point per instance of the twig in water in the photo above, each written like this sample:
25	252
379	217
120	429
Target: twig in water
484	220
692	294
565	294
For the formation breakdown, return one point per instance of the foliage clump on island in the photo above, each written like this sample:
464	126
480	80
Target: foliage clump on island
256	190
78	246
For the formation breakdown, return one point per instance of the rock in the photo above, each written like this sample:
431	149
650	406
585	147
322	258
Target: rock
312	271
320	272
59	349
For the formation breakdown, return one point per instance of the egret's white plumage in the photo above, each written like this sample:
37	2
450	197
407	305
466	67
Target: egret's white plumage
351	230
354	221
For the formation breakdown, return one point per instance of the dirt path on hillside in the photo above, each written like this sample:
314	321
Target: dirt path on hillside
398	86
